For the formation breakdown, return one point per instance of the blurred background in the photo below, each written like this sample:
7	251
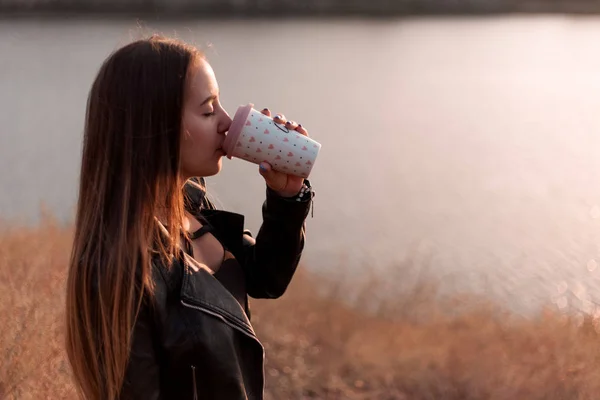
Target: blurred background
461	135
455	246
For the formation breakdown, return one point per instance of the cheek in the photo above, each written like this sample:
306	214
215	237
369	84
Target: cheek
196	147
195	134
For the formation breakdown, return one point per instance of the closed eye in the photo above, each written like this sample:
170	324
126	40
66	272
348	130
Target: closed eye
210	114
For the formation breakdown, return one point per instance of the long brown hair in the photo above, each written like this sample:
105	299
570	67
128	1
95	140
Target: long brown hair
129	175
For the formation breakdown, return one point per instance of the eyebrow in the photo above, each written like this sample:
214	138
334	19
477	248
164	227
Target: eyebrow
208	99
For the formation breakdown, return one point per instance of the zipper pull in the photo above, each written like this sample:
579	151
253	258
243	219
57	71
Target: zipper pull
194	382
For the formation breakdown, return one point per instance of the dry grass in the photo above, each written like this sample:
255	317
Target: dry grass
318	346
32	279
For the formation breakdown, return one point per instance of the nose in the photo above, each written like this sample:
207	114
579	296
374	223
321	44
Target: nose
225	123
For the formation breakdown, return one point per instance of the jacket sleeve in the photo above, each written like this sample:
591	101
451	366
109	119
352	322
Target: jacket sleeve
142	377
271	260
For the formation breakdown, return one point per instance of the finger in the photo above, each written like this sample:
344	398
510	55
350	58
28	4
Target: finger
266	111
300	129
280	119
274	180
291	125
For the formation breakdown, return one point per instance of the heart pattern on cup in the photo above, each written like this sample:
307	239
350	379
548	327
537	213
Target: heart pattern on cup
287	151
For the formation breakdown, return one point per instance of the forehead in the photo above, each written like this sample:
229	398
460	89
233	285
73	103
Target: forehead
202	81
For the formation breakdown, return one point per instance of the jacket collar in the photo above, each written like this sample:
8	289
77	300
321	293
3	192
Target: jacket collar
199	287
228	227
202	290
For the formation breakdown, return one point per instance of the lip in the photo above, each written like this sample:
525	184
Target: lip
221	148
236	128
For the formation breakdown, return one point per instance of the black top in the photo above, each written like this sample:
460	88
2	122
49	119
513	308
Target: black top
230	274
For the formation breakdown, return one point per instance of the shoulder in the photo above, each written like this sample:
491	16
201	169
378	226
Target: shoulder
165	278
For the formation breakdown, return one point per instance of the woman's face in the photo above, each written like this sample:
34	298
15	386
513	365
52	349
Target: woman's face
204	123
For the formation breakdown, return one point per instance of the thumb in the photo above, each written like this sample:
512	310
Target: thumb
272	177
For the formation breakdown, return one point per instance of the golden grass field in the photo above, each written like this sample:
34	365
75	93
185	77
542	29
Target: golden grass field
318	347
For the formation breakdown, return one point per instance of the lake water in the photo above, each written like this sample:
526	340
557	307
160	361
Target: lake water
471	142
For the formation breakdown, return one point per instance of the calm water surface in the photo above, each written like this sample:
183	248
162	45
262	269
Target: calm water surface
470	142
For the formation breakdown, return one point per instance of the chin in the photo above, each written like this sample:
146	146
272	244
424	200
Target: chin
218	168
214	170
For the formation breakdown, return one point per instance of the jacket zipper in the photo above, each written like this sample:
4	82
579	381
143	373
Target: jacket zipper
234	326
194	382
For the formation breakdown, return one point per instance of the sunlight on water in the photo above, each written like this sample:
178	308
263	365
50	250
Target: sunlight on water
562	287
592	265
477	137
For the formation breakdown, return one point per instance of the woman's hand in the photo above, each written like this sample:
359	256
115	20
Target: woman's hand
283	184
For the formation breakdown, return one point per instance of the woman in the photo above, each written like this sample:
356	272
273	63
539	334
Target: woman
159	279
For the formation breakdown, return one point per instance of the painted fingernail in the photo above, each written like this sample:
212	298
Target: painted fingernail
265	109
299	125
278	116
263	167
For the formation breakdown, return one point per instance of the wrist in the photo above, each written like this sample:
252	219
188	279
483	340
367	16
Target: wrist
302	201
303	194
286	195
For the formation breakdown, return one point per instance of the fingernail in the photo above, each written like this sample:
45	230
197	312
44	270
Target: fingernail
263	167
278	116
265	109
299	125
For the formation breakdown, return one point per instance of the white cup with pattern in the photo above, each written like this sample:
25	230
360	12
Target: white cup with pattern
254	137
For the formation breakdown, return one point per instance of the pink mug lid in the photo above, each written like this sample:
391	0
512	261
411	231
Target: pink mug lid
236	128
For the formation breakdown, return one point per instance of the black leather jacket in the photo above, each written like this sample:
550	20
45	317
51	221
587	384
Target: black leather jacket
193	340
